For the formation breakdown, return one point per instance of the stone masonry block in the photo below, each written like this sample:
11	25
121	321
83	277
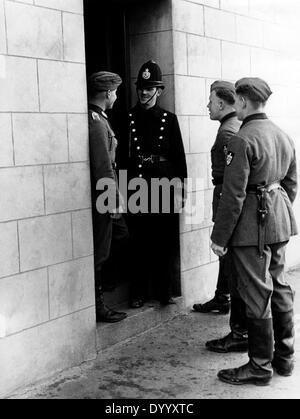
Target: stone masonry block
203	133
74	6
73	29
45	241
82	233
2	29
194	249
185	131
235	6
219	24
155	46
40	352
62	87
24	300
78	137
204	57
71	286
9	253
187	102
146	18
6	145
263	10
235	61
249	31
194	209
197	171
18	85
67	187
211	3
180	53
198	285
40	138
266	65
33	31
21	193
274	37
188	17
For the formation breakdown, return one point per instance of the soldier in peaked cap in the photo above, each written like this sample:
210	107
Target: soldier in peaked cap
255	220
155	151
110	230
221	102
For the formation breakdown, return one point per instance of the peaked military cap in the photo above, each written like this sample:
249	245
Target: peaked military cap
150	76
103	81
222	84
254	88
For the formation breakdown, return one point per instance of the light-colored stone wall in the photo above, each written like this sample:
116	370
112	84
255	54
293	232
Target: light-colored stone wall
228	39
47	319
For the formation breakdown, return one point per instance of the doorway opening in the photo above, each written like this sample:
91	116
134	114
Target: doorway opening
107	39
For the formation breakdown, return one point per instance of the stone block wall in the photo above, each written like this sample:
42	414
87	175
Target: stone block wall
47	319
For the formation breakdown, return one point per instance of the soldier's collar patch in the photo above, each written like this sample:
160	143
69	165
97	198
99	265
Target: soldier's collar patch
229	158
95	116
146	74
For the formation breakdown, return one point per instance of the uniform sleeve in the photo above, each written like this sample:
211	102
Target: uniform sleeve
289	183
177	153
99	155
236	175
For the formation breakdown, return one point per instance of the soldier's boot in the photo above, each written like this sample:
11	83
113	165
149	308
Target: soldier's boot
219	304
284	336
237	339
104	313
258	370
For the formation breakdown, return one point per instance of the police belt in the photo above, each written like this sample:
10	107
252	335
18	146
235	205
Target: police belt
261	192
152	158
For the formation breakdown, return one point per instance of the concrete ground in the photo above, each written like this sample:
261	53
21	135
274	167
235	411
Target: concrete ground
169	362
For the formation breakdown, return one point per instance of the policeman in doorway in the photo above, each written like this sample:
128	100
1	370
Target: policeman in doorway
155	152
255	220
110	230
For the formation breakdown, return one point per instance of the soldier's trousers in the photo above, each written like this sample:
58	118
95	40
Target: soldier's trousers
110	238
261	281
225	272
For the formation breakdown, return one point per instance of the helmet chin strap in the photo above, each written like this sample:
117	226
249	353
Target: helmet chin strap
149	100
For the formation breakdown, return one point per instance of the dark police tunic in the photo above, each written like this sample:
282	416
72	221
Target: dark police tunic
155	151
108	233
259	154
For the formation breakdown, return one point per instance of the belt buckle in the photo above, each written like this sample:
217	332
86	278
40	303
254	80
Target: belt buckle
148	159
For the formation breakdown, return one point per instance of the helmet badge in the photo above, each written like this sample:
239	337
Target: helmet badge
146	74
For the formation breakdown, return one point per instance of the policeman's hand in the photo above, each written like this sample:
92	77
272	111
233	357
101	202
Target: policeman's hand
218	250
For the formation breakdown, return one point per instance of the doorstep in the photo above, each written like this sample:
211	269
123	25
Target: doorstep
139	320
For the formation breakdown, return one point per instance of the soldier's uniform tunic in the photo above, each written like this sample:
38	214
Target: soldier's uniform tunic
155	151
109	234
228	127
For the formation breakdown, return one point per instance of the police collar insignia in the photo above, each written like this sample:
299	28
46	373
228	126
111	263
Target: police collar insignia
229	157
146	74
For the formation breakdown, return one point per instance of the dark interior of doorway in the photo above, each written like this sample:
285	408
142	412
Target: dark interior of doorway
107	48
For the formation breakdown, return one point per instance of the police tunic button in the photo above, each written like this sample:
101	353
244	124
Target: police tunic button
132	122
165	114
138	148
162	128
130	115
161	137
140	166
140	175
163	120
135	139
133	130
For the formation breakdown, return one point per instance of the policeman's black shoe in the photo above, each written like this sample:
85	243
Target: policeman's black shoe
229	343
246	374
215	305
283	368
167	301
136	303
105	314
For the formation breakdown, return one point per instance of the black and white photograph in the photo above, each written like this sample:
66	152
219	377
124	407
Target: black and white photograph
149	205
